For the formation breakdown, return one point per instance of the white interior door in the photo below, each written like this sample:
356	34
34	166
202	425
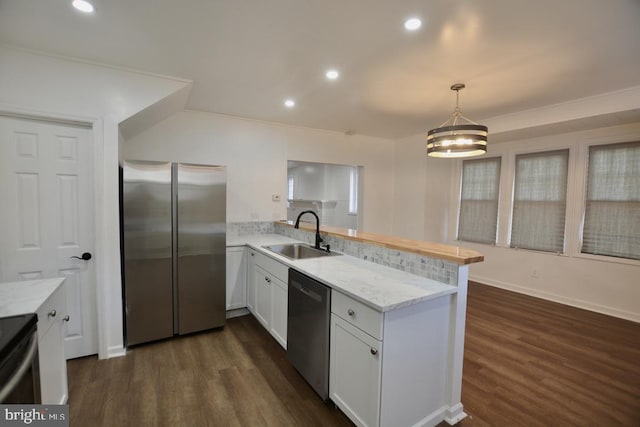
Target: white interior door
47	216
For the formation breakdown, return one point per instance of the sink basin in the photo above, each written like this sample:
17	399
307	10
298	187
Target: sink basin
299	251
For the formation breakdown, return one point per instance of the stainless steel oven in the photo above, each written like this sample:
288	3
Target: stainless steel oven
19	368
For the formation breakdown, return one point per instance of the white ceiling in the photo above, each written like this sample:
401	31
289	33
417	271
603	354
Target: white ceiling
246	56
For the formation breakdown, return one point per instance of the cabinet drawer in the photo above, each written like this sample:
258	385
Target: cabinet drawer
275	268
358	314
51	310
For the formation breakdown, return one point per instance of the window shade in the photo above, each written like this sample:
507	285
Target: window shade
540	201
612	208
478	219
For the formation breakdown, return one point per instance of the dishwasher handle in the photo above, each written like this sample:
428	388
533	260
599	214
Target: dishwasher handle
313	295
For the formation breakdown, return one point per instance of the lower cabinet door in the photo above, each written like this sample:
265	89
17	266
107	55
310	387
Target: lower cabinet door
279	298
263	297
355	372
53	365
236	278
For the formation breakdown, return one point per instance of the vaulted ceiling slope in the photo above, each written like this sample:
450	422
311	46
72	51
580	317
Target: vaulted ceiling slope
246	57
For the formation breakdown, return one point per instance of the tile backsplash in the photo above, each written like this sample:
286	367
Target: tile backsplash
420	265
237	229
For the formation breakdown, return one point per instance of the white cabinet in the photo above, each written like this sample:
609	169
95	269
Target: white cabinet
355	372
52	315
236	277
389	369
267	294
279	301
251	280
263	296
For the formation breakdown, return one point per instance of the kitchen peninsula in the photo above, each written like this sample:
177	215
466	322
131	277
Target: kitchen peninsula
398	311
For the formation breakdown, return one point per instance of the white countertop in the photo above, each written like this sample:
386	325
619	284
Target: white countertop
382	288
26	296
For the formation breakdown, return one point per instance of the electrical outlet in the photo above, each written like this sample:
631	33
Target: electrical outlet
275	197
534	273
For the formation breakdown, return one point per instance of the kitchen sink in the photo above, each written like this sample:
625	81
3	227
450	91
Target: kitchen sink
299	251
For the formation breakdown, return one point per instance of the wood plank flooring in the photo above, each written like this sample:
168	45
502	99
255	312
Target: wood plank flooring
238	376
531	362
528	362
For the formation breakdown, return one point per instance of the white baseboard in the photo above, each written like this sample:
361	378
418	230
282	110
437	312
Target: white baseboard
454	414
237	312
116	351
573	302
433	419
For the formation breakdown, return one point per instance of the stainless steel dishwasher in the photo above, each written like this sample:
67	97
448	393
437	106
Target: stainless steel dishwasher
308	321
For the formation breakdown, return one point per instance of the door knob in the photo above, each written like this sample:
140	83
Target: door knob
85	256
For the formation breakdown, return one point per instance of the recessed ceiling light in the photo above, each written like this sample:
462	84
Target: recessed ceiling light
332	74
412	24
289	103
83	6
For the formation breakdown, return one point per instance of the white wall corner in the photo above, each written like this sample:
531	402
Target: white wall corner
109	281
156	112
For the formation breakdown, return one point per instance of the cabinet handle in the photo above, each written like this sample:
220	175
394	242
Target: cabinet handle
350	312
267	279
374	351
52	313
66	318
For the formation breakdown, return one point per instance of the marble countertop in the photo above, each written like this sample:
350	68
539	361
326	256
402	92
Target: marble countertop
381	288
26	296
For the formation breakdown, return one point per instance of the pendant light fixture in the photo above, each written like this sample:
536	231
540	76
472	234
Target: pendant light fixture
458	136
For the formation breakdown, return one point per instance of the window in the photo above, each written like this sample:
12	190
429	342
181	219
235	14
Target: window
353	191
290	187
612	209
478	219
540	201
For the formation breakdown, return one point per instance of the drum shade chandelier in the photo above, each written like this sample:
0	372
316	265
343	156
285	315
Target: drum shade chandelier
458	136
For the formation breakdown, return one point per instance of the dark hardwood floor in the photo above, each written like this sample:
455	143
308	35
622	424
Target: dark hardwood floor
531	362
528	362
238	376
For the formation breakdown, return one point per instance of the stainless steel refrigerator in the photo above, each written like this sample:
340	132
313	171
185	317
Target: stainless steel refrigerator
173	222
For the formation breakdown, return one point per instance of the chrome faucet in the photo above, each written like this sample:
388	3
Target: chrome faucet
318	238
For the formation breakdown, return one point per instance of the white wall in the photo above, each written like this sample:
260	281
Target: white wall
256	155
59	88
70	88
421	191
601	284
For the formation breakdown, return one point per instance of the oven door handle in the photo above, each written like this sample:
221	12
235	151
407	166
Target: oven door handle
22	369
